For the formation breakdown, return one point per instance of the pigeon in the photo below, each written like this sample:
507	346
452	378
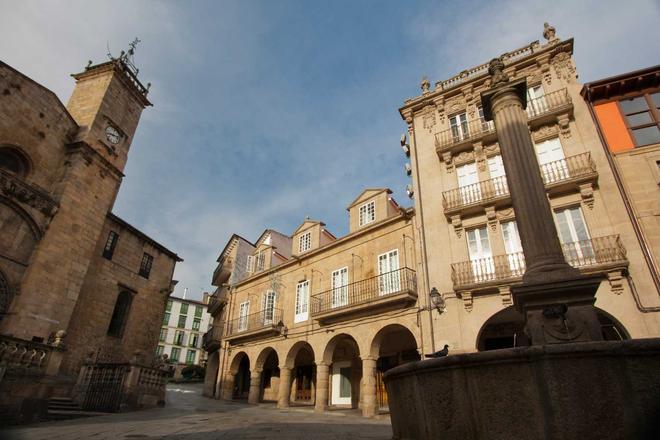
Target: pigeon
440	353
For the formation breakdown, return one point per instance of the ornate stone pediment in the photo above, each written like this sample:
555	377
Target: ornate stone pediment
14	188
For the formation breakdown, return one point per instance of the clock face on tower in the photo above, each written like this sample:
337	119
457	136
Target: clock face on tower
112	135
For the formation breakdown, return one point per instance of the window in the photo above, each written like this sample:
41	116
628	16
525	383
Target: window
367	213
249	264
513	247
244	309
261	259
120	314
182	321
176	353
178	337
190	356
184	309
340	287
468	183
480	253
302	301
268	306
305	242
642	116
389	279
198	311
536	102
163	334
194	340
498	175
13	161
551	160
459	127
196	323
110	245
166	318
574	235
159	350
168	307
145	265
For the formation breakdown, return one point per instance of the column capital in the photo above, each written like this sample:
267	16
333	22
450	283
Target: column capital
519	88
285	368
368	358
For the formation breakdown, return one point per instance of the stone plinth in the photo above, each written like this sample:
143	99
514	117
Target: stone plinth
590	390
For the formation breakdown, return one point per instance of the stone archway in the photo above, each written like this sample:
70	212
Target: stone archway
238	387
342	356
266	375
505	329
392	346
300	360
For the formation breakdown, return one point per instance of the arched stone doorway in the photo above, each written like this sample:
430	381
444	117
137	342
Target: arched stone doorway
392	346
505	329
268	371
342	355
211	376
240	372
303	373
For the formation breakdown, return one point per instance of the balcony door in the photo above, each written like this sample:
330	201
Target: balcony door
268	307
497	175
341	383
302	301
551	160
459	127
536	102
340	287
513	248
389	279
243	311
574	236
481	256
468	183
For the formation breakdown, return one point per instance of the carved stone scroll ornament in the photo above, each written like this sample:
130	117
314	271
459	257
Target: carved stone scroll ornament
587	194
546	132
564	126
505	295
491	215
467	301
448	160
615	279
457	223
479	156
428	117
13	188
464	157
563	66
496	72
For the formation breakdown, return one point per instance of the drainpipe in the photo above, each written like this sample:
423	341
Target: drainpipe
648	256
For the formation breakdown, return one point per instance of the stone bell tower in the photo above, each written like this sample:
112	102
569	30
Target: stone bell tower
107	103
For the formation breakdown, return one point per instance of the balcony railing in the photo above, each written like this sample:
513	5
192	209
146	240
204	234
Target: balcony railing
265	320
548	103
364	292
463	133
476	129
21	356
222	273
211	339
586	254
564	170
217	300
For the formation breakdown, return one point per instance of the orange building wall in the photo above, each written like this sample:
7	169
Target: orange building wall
614	127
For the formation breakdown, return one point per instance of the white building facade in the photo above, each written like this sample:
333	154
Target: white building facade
184	323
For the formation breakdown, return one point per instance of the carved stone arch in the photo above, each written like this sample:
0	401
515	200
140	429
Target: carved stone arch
263	357
296	348
15	160
389	330
236	361
37	230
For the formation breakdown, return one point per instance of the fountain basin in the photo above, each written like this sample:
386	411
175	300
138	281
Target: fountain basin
588	390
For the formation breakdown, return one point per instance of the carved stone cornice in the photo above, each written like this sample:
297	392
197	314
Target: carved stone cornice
15	189
89	154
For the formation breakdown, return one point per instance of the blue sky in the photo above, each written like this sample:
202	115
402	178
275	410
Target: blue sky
269	111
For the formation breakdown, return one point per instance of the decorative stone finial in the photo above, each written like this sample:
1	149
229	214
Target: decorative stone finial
549	32
59	338
496	72
425	84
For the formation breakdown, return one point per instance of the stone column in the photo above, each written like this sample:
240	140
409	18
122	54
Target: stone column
369	387
284	391
255	387
550	285
322	383
227	390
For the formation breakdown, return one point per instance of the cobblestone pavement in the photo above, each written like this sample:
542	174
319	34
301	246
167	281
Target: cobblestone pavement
189	416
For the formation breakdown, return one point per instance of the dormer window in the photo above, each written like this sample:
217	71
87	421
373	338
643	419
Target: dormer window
367	213
305	242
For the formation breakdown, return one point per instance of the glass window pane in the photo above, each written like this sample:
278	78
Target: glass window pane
647	135
578	224
562	225
633	105
639	119
656	99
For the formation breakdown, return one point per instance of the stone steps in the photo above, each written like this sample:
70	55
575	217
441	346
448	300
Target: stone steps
64	408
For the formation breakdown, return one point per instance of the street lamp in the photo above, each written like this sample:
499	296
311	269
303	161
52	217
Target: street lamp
437	300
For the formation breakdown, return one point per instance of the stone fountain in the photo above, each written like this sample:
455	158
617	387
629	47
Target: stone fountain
569	384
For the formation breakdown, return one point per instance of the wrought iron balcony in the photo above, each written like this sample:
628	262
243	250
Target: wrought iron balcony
557	175
389	290
211	339
548	105
217	300
256	325
590	256
222	273
539	111
464	134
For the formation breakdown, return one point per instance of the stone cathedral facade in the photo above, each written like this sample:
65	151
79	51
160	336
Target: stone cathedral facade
73	275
